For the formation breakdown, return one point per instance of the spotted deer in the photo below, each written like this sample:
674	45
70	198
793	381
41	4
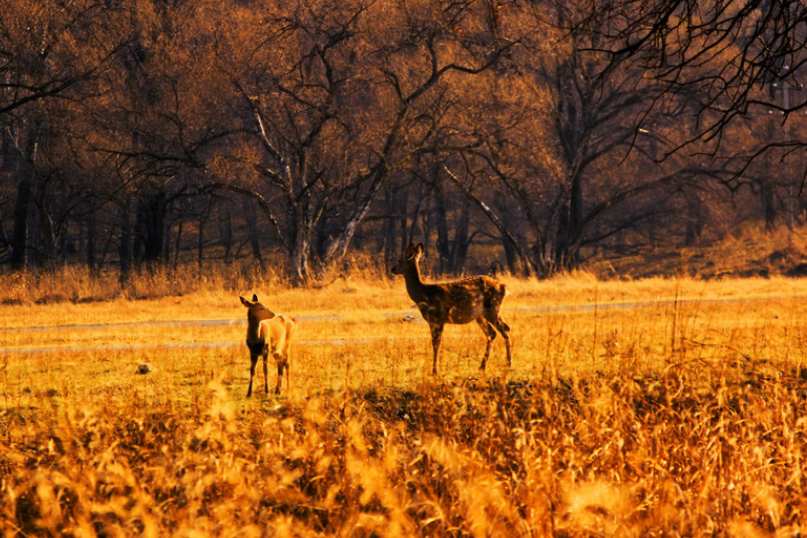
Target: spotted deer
267	333
477	298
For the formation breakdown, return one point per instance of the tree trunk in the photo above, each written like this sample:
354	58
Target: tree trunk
402	204
254	236
15	161
226	236
167	243
459	252
91	256
441	225
298	268
125	247
510	254
22	207
48	235
570	255
178	245
768	202
338	246
151	226
387	240
200	245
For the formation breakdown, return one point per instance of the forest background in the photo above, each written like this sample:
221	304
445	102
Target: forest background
531	136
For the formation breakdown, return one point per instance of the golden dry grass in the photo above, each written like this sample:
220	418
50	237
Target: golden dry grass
647	408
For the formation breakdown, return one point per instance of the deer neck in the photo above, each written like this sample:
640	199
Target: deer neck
253	329
415	286
255	316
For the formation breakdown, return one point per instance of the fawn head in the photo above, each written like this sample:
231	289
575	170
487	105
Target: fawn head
256	311
409	259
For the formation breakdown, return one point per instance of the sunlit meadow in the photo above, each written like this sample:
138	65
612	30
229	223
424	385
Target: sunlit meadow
655	407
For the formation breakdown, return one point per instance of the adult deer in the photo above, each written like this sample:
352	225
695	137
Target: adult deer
478	298
268	332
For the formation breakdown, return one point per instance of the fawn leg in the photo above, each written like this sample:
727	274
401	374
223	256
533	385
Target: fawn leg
437	338
253	363
281	364
490	333
287	361
266	369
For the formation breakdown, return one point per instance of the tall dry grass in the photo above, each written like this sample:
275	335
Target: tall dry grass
79	284
76	283
689	452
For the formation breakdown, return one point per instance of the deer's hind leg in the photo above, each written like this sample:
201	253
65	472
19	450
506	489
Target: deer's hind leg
490	333
282	362
286	361
504	330
437	339
266	369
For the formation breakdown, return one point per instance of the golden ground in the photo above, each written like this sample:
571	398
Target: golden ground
360	334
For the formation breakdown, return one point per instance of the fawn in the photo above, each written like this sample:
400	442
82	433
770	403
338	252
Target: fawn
268	332
477	298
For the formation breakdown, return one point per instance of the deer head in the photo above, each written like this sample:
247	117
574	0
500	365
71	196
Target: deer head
409	260
256	311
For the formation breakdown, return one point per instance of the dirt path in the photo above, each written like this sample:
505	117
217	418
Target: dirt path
410	315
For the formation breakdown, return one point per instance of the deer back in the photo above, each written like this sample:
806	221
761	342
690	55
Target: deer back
277	331
461	301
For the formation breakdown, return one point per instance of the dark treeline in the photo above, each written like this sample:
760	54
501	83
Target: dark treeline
136	133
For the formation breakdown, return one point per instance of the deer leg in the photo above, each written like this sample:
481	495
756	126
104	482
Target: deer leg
253	358
286	362
504	329
490	332
281	364
266	369
437	338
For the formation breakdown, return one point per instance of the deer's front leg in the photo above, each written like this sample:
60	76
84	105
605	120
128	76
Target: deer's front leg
253	357
490	333
437	338
265	368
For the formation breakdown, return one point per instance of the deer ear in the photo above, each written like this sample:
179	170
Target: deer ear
255	297
419	249
410	250
243	301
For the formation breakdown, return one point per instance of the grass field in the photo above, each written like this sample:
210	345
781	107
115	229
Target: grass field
656	407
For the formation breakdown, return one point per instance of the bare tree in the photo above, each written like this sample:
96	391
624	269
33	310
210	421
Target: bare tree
158	122
50	54
741	65
734	60
357	92
560	149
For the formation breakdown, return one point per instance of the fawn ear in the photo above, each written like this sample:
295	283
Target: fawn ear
254	297
410	250
419	250
243	301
